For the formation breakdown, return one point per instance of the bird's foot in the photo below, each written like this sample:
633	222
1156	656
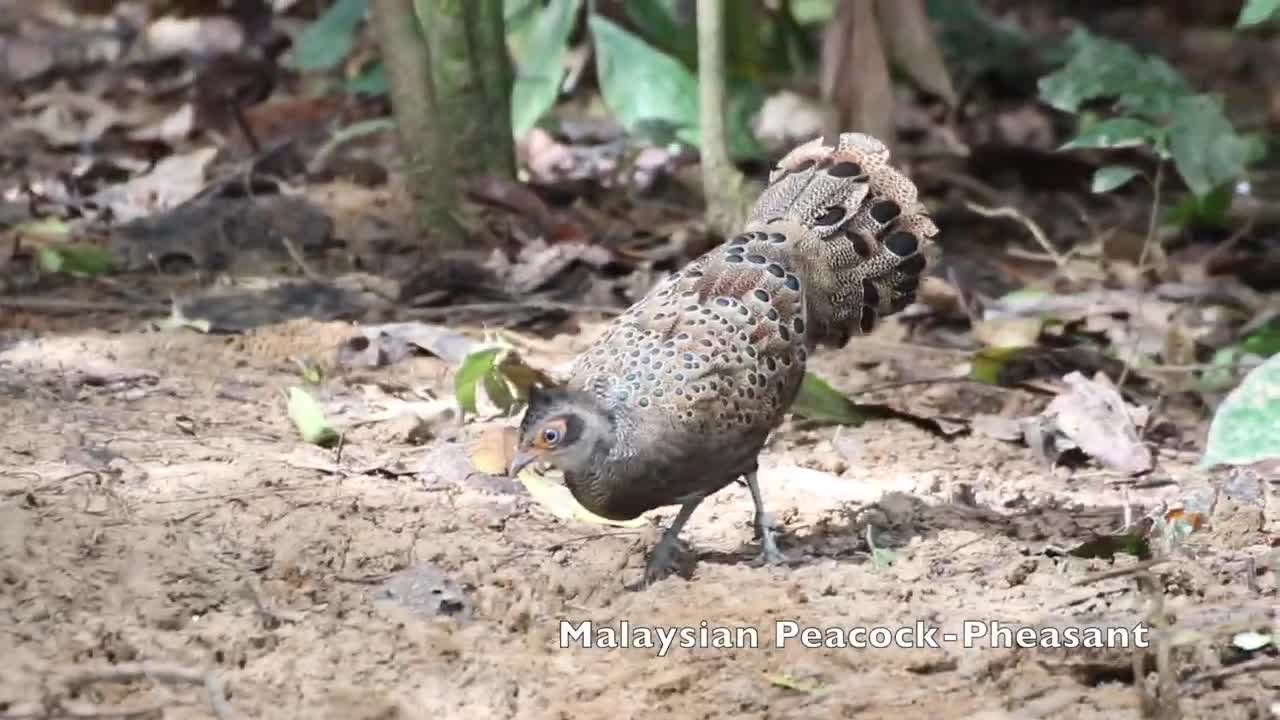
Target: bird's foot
769	553
658	566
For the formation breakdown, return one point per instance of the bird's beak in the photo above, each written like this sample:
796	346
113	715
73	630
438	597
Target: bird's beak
522	460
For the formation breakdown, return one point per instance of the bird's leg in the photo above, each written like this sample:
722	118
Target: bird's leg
661	556
764	525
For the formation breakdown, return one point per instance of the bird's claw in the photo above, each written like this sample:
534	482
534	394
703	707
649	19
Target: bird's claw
657	567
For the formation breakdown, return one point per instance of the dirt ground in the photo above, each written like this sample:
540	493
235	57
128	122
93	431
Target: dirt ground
157	506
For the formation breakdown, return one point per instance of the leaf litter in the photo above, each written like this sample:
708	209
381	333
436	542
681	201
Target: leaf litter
301	422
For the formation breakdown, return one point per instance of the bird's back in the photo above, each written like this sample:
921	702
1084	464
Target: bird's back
701	369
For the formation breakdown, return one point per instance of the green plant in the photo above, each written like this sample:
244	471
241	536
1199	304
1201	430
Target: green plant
646	76
1150	105
1256	12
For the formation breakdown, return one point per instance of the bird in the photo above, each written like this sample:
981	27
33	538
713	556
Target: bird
678	395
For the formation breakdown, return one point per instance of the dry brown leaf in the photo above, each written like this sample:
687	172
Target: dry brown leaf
171	182
493	451
1092	416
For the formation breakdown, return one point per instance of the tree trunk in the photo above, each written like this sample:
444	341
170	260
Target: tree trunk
424	147
728	195
472	74
855	73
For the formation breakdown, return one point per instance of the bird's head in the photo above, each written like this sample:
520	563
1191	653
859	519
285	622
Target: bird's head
567	429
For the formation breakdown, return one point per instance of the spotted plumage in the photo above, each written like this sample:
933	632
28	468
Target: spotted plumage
676	398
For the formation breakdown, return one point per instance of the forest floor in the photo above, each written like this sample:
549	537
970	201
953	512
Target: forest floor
171	547
156	506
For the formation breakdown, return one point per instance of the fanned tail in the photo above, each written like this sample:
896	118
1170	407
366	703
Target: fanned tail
858	236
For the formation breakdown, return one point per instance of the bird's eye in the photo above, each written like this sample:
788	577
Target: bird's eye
550	436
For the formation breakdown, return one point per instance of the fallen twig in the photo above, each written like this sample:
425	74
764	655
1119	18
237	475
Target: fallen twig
1150	239
1262	664
1032	227
299	260
66	305
1119	572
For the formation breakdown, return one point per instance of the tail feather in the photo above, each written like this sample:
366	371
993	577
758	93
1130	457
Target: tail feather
860	238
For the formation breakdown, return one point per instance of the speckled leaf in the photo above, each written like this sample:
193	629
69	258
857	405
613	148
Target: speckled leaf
1246	428
820	402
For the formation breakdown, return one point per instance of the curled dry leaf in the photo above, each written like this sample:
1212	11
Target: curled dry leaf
1092	416
171	182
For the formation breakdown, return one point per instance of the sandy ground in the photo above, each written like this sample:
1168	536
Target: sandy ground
157	506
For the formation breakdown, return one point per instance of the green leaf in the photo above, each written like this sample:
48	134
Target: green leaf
1246	427
1003	366
473	368
539	50
810	12
975	42
659	22
1206	149
49	260
372	80
881	558
308	417
1223	373
1111	177
1210	210
641	84
516	11
495	386
1113	133
819	402
1256	12
1101	68
325	42
77	260
1264	342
